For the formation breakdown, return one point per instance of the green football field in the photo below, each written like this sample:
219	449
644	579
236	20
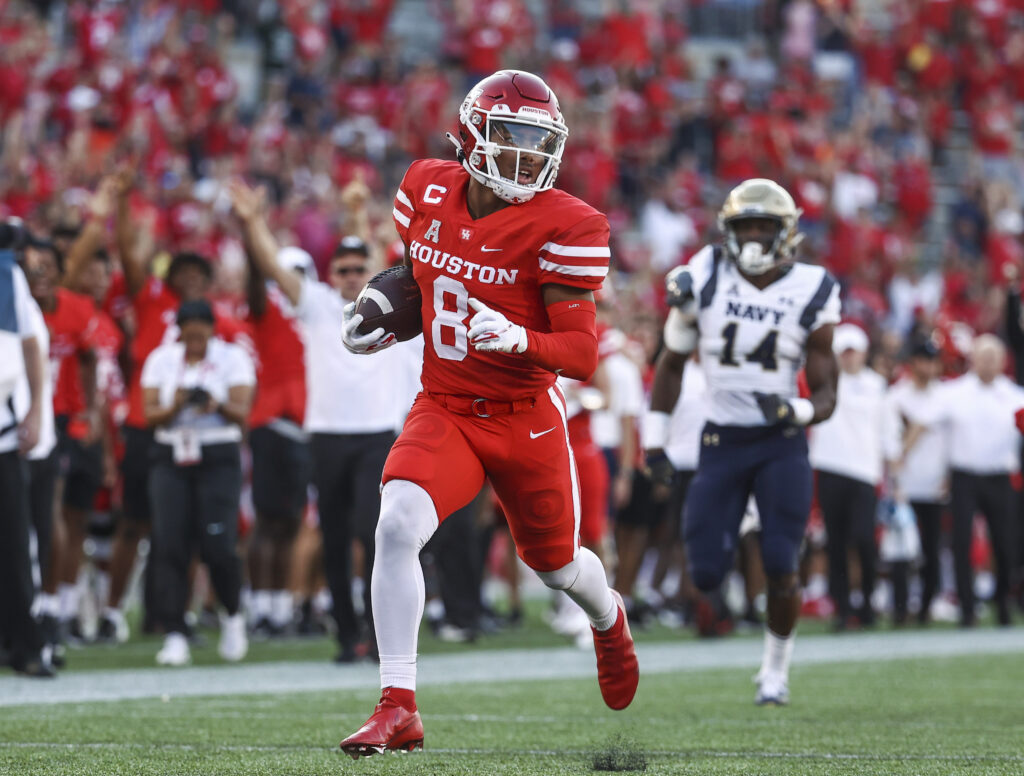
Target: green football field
888	703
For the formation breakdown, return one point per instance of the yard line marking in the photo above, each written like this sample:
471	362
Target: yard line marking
483	666
498	752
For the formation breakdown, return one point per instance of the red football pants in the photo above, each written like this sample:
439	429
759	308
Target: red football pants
525	455
593	479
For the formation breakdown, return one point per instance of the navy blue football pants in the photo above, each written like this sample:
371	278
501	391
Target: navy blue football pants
735	461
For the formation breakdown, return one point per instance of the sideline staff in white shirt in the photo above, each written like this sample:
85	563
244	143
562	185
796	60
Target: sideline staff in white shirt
20	356
984	448
197	394
847	451
924	464
354	406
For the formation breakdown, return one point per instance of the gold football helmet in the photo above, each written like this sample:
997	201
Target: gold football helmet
760	198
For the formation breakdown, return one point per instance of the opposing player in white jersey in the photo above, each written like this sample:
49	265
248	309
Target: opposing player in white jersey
757	316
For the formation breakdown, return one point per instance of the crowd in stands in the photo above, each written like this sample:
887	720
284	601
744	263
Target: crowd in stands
850	110
130	118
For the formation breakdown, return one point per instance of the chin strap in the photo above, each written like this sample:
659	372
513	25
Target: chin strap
460	155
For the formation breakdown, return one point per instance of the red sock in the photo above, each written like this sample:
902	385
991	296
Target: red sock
404	698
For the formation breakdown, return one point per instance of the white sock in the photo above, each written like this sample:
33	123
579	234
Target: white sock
777	653
49	605
585	582
102	585
407	520
281	607
261	604
69	598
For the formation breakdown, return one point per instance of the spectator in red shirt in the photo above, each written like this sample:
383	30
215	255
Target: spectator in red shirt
71	320
983	73
736	154
878	55
913	179
280	448
1003	248
930	61
995	129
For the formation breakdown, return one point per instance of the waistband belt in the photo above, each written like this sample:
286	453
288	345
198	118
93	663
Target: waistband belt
482	408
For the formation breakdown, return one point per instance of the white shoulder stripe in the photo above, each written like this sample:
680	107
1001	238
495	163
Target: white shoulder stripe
566	269
577	250
400	196
400	217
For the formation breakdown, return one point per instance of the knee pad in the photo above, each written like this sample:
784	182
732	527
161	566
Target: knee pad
563	578
407	515
779	555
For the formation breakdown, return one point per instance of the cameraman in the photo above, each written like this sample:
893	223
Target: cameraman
196	394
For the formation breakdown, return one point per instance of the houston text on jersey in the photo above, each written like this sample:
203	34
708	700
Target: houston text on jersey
459	267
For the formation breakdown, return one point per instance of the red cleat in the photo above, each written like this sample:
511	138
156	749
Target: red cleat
391	727
618	671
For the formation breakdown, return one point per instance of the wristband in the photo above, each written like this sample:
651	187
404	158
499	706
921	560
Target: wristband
654	429
803	411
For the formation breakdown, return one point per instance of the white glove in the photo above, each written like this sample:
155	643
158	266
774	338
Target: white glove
490	331
362	344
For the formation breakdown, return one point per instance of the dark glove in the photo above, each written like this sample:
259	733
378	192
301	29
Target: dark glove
678	287
660	470
775	409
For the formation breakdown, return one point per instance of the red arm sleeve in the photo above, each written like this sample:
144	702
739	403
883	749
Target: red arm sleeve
570	348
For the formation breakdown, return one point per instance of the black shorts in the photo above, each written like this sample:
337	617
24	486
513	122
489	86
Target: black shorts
81	467
642	510
677	499
281	468
135	468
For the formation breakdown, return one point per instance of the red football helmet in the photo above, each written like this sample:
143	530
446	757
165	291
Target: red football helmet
511	112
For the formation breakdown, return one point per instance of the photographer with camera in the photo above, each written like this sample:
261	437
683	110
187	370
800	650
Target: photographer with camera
196	394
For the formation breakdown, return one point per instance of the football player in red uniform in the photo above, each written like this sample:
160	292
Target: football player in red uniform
71	321
507	266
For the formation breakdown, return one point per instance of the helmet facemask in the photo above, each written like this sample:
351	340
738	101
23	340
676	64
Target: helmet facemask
527	144
755	257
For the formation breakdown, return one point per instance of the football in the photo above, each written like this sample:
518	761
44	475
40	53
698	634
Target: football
391	299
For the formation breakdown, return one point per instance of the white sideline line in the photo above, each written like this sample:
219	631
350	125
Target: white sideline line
960	758
493	666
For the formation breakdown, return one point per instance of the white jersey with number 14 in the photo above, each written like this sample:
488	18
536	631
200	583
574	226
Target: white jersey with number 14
754	340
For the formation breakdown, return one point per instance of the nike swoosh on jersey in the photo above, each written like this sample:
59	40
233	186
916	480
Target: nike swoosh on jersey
485	249
542	433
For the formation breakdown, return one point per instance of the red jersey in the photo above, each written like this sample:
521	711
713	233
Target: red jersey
502	259
72	327
156	311
280	363
108	341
